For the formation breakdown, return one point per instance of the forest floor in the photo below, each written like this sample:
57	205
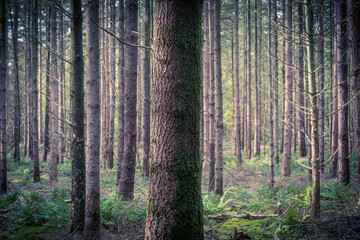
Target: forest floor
247	210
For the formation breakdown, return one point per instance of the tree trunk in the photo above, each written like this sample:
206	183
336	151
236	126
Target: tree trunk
219	103
257	105
301	121
55	98
34	120
285	169
16	110
283	78
175	204
62	89
47	91
3	70
248	89
276	88
342	75
121	94
314	115
129	161
271	116
237	89
147	84
244	91
354	46
92	197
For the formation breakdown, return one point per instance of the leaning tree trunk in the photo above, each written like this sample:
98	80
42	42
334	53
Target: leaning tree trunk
314	115
55	98
92	197
354	46
343	98
3	69
285	169
77	120
175	205
129	161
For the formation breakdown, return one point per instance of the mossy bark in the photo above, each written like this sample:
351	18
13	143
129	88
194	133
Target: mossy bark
175	204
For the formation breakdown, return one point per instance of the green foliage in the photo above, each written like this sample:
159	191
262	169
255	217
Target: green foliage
215	204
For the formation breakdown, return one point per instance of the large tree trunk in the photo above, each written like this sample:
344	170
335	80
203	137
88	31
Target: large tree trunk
219	103
16	110
92	198
3	69
248	89
271	116
342	75
121	94
257	96
129	161
175	204
276	88
147	84
77	120
314	115
237	89
285	169
34	120
110	147
301	121
55	98
354	46
47	88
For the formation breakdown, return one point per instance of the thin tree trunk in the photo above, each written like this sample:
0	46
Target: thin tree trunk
354	42
271	116
257	96
244	91
175	179
285	169
342	75
248	89
276	88
77	120
283	78
92	196
62	89
129	162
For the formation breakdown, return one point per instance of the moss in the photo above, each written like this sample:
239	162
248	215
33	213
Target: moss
35	232
253	228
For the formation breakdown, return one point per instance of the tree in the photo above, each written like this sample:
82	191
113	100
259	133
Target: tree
34	120
77	120
248	89
237	88
276	87
271	115
314	114
3	70
92	197
54	98
16	110
285	169
341	74
129	161
147	98
257	96
354	50
175	205
219	102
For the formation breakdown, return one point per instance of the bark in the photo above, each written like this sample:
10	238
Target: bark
244	91
314	115
283	78
321	78
147	97
16	109
342	75
211	185
92	197
47	88
219	103
301	121
77	120
3	70
110	148
285	169
237	89
34	120
129	161
121	94
175	205
248	89
276	88
354	50
271	115
62	93
55	99
257	105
